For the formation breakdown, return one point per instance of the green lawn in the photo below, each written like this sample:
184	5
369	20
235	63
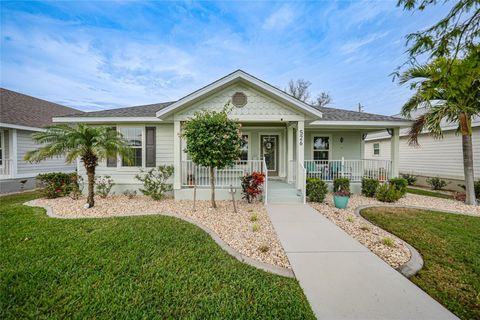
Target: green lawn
132	267
429	193
450	247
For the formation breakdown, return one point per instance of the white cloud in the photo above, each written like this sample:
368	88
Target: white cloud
280	19
353	46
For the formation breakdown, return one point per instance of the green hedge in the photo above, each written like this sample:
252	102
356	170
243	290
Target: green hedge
400	184
369	187
388	192
57	184
316	189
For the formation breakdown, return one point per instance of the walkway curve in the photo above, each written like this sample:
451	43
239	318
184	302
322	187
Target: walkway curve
236	254
412	266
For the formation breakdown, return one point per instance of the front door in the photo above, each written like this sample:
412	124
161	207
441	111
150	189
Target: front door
270	152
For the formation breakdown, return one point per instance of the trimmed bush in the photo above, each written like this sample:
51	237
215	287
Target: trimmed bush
400	184
316	189
436	183
341	184
477	189
387	192
369	187
104	186
411	179
57	184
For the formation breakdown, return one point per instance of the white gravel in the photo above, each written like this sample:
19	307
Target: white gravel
236	229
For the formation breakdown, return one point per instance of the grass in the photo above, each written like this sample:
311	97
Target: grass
130	267
428	193
450	247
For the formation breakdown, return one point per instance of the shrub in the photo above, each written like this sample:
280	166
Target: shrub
369	187
252	185
400	184
253	217
460	196
341	184
104	186
350	219
316	189
130	194
155	181
436	183
76	186
411	179
264	248
255	227
388	242
56	184
387	192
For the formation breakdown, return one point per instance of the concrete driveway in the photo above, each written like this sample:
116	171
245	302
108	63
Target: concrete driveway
341	278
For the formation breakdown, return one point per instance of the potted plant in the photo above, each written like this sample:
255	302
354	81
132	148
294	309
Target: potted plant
341	188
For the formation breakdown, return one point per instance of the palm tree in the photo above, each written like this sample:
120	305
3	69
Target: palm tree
90	144
451	90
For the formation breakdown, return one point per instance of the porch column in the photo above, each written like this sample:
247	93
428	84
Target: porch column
12	149
290	142
394	151
177	155
300	153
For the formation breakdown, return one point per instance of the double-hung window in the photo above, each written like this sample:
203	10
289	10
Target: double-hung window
321	148
133	136
376	149
244	148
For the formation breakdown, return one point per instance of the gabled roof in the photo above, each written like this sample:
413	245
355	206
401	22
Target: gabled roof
148	110
333	114
239	75
23	110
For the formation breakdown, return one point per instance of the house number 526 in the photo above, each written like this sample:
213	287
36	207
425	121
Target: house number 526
300	138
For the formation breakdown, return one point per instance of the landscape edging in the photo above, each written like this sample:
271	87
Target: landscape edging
225	246
415	264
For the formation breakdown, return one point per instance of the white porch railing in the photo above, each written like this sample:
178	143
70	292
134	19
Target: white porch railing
265	188
355	170
6	168
192	174
304	184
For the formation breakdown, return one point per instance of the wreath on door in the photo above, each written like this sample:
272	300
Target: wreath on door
268	145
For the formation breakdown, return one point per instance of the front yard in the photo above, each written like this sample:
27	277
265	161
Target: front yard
450	247
129	267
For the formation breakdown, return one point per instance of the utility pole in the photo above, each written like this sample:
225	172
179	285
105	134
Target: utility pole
360	107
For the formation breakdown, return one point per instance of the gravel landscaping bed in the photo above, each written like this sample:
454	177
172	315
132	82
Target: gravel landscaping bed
393	251
236	229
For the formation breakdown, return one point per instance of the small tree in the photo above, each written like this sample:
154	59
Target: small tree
213	140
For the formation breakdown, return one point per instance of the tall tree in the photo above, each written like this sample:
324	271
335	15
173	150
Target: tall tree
451	89
299	89
323	99
212	140
90	144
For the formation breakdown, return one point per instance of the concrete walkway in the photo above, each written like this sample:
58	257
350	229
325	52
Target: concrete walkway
341	278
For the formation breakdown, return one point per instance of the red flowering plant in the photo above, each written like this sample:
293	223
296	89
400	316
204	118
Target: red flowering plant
252	185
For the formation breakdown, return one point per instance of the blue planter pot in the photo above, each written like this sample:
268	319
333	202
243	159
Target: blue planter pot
340	201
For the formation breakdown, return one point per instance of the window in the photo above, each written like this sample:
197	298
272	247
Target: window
2	143
244	148
376	149
134	140
321	148
112	160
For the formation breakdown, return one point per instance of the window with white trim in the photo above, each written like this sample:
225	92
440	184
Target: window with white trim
133	135
321	148
2	147
244	148
376	149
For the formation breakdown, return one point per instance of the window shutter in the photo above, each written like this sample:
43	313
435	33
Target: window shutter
112	161
150	152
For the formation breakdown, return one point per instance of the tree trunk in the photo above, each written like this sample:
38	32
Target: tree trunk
91	185
468	168
212	186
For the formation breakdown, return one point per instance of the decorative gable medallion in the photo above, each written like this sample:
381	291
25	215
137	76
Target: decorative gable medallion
239	99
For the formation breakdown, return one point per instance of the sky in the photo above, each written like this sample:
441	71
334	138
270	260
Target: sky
110	54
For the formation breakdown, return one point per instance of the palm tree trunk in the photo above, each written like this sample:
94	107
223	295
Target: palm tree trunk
468	168
212	186
91	184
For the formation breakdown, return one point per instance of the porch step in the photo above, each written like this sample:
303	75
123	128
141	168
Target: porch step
282	192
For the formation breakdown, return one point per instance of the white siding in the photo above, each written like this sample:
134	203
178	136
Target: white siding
434	157
27	169
126	175
350	148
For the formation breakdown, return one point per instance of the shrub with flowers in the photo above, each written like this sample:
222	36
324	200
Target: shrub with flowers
56	184
252	185
104	186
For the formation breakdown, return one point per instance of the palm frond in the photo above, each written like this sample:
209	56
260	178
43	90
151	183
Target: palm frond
415	130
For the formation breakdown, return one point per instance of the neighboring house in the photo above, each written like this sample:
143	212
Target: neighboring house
280	132
433	157
20	116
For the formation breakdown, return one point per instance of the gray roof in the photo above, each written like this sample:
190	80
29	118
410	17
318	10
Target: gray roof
333	114
19	109
148	110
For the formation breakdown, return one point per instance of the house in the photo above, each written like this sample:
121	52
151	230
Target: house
282	136
433	157
20	116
